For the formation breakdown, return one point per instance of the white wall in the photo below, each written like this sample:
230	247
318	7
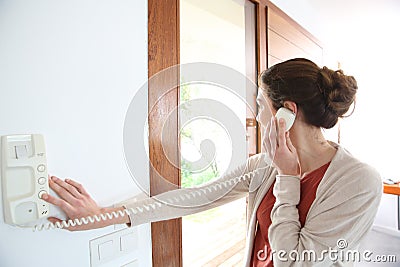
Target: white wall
68	70
362	35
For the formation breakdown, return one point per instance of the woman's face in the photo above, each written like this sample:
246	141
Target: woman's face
265	109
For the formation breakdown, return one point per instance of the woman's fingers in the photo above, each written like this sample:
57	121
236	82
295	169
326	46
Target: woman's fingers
269	139
70	188
63	190
281	132
273	133
77	186
289	143
266	141
57	202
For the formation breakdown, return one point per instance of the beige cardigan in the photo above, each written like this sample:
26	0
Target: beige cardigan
345	205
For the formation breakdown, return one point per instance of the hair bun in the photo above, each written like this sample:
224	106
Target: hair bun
322	95
338	89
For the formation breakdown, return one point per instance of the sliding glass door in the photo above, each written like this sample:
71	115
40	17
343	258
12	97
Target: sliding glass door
222	34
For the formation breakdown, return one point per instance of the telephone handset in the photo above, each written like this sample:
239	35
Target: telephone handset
288	115
24	178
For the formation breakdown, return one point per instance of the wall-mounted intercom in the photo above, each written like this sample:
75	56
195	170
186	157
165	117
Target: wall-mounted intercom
24	178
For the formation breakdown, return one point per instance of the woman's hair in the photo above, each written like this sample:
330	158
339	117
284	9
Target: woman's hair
323	95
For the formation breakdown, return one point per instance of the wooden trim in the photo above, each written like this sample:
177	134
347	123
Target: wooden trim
262	49
294	23
227	254
163	52
261	2
251	122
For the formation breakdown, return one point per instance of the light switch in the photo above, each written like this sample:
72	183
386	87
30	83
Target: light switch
134	263
106	250
113	246
128	242
21	151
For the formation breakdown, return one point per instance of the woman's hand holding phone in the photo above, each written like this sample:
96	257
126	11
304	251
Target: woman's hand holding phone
280	148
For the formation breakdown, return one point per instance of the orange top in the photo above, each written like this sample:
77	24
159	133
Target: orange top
308	184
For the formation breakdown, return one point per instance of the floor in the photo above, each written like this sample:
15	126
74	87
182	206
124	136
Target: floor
215	237
383	245
221	243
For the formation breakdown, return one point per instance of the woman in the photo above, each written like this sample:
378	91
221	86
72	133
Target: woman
313	199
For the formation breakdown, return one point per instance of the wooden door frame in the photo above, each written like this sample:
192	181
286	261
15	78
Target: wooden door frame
163	52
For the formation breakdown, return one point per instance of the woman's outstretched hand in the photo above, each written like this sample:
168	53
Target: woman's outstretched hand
77	203
280	148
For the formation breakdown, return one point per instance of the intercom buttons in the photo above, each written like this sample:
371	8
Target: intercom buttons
41	193
41	180
41	168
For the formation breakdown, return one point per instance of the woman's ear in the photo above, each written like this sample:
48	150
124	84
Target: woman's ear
290	105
